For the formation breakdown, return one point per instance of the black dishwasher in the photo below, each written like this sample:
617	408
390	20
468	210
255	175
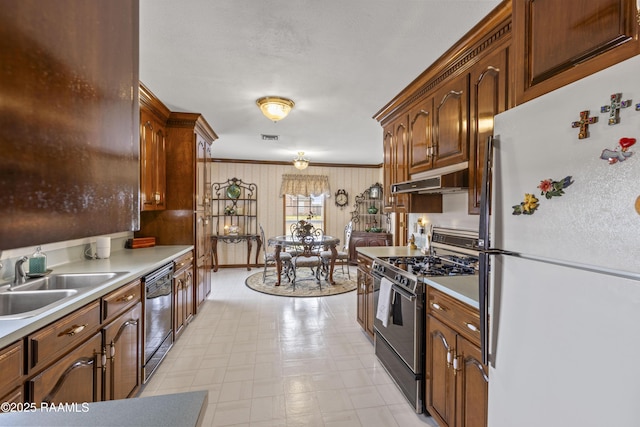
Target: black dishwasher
158	316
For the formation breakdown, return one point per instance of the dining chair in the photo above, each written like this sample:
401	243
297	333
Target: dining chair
270	258
343	255
308	255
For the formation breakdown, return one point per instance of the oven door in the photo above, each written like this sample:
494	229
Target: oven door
404	329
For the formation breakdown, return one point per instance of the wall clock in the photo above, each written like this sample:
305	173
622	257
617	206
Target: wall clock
342	198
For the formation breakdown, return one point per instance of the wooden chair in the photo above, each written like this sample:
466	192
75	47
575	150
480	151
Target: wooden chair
270	258
343	255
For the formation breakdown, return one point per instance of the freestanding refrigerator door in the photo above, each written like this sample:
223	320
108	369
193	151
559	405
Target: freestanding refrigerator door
563	346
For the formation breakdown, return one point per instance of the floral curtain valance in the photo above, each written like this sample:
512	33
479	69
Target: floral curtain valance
305	185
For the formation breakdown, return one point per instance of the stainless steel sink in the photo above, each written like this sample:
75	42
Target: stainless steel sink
21	304
67	281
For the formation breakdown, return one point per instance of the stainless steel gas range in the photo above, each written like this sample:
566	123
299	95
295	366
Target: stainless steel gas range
399	298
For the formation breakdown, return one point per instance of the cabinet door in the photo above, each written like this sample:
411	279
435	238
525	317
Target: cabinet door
387	166
440	384
76	377
450	122
178	304
370	310
489	96
399	173
472	386
152	162
203	174
557	43
11	367
188	295
123	343
421	137
361	292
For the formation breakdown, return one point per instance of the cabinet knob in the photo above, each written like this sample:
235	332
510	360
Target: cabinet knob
126	298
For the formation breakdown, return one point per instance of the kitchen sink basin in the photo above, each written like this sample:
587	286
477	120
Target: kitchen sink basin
67	281
21	304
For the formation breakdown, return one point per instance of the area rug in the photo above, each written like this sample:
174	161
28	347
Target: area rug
306	285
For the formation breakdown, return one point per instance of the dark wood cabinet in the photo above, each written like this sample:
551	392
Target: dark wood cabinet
186	219
421	139
451	142
123	346
489	96
457	382
153	141
364	294
122	334
76	377
183	293
556	43
11	367
363	238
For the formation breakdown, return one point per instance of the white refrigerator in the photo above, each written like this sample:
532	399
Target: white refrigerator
563	279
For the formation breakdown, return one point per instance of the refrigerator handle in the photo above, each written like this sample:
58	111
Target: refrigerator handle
483	244
485	194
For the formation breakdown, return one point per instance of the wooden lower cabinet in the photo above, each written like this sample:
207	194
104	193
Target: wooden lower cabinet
457	382
11	368
184	293
363	238
364	292
123	348
77	377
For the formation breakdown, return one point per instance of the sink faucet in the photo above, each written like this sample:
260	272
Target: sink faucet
20	276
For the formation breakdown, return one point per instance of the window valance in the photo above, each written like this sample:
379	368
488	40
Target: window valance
305	185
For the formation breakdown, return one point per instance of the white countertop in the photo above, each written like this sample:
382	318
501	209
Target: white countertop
463	288
179	409
133	262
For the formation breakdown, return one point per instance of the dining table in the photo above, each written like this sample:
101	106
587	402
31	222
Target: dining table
280	243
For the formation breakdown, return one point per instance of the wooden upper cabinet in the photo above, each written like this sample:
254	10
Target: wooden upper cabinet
556	43
387	167
489	96
421	144
153	145
450	122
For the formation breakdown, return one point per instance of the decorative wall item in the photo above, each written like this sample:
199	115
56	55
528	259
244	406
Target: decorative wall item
615	156
342	198
583	124
527	207
614	108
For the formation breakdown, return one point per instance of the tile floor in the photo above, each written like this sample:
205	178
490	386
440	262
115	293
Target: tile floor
276	361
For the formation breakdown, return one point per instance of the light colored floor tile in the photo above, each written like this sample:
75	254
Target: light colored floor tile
274	361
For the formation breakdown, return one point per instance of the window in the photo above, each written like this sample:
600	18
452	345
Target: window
297	208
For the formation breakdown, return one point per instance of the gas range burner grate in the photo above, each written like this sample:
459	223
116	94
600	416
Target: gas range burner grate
449	266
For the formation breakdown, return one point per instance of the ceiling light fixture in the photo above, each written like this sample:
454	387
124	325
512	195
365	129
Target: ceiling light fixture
300	162
274	107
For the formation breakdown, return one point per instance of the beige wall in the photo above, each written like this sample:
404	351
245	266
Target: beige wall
270	205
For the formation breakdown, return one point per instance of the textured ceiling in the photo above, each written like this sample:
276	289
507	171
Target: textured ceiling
340	61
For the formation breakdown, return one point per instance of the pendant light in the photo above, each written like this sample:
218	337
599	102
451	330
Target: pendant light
300	162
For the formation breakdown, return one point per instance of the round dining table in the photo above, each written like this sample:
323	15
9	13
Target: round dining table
326	242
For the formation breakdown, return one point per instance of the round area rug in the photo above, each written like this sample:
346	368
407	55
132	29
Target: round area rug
306	284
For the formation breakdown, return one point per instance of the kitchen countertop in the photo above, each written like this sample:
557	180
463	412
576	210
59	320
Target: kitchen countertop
463	288
388	251
134	263
179	409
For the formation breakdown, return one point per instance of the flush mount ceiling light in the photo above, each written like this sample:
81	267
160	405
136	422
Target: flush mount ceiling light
274	107
300	162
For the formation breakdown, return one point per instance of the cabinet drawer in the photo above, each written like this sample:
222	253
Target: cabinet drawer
182	262
54	340
11	363
120	300
364	263
461	317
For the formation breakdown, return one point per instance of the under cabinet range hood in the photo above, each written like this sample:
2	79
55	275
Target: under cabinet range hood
449	179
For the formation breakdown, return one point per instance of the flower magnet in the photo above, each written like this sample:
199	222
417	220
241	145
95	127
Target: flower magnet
549	188
527	207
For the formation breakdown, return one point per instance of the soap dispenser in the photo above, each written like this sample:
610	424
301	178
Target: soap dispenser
38	262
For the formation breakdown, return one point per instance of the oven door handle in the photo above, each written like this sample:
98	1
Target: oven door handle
403	293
